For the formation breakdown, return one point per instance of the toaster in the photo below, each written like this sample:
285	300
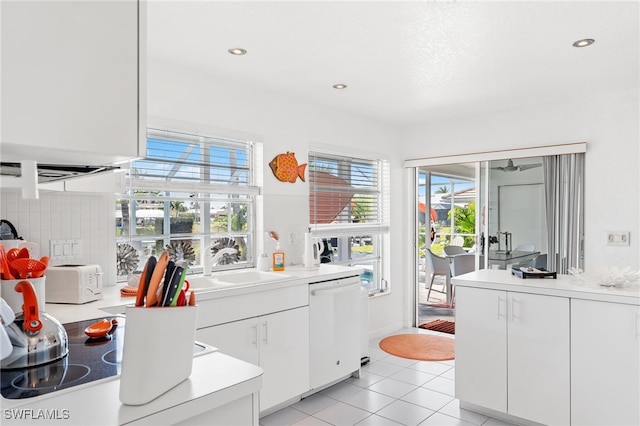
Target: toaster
73	284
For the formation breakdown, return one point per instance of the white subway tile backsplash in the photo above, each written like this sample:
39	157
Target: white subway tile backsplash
89	217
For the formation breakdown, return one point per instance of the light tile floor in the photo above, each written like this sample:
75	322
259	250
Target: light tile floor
390	391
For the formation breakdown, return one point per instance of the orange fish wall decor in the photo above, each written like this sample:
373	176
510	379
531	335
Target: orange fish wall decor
286	169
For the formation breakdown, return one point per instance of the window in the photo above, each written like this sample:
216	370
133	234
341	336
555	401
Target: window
193	196
347	209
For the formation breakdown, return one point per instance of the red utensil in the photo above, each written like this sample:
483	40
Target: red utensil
23	253
26	268
101	328
4	265
12	254
45	262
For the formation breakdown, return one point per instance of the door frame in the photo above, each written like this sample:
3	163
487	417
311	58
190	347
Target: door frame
411	175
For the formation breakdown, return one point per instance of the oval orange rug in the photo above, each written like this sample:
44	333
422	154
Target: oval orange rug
422	347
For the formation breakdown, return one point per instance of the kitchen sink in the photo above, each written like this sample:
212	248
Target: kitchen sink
236	278
248	277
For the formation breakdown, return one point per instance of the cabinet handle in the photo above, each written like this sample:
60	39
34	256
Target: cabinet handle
512	311
637	325
255	335
265	338
500	302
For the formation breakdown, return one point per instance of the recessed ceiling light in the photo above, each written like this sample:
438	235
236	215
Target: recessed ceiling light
340	86
584	42
238	51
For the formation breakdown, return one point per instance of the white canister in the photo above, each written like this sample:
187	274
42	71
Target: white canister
9	244
15	300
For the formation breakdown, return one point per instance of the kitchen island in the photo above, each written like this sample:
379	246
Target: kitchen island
220	391
548	351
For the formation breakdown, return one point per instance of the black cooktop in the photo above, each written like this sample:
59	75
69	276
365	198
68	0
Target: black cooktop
88	360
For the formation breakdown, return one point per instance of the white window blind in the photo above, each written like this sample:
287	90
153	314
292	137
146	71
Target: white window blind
346	193
348	210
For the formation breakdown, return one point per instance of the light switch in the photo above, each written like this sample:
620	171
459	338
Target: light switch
76	248
65	249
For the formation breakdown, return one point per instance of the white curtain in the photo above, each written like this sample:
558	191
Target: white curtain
564	195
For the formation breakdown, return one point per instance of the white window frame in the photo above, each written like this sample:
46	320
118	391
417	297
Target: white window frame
377	229
202	190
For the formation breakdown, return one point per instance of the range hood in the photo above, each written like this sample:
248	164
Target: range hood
54	172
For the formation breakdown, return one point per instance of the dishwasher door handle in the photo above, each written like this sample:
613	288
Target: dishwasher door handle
340	288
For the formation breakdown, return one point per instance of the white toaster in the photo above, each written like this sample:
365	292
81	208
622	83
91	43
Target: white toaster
73	283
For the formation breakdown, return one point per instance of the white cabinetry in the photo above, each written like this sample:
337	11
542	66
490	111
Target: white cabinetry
73	81
605	363
266	328
512	353
277	342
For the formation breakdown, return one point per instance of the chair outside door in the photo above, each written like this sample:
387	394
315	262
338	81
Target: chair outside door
462	264
439	266
451	250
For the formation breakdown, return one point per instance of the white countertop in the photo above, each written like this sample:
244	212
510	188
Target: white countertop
113	303
564	285
216	379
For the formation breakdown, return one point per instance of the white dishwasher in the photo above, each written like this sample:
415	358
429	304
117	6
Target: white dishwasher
335	328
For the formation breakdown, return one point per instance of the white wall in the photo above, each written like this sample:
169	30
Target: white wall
61	216
609	123
284	124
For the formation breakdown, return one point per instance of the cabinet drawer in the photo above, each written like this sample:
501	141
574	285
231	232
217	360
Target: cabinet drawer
237	307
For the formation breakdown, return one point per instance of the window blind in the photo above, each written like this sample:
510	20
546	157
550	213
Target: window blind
191	193
193	163
346	193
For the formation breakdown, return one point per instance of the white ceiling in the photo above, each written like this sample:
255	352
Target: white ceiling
406	62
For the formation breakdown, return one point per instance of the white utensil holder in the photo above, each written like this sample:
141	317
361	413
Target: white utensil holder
15	300
157	353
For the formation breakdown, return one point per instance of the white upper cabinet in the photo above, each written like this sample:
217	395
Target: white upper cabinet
73	81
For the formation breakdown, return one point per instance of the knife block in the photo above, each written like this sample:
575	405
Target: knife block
157	353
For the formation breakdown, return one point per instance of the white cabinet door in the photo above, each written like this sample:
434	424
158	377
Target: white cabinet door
238	339
512	353
70	80
279	343
605	363
284	355
481	347
538	358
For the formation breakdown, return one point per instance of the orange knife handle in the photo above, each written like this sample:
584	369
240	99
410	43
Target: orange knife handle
140	293
32	323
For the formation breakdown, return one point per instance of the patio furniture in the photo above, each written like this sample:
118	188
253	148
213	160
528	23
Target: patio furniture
451	250
462	264
439	266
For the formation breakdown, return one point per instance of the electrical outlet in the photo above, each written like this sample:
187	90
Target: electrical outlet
617	238
292	238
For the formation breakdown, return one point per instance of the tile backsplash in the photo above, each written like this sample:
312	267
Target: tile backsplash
89	217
